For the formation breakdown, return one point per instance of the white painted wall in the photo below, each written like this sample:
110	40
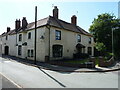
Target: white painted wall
11	42
68	40
41	44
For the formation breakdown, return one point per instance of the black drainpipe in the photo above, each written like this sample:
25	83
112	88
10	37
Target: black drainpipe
48	57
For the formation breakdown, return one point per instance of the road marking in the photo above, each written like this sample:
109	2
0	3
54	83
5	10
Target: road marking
11	81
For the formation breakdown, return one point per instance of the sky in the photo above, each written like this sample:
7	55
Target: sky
85	10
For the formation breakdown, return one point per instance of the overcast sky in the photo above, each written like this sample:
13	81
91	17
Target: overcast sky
10	10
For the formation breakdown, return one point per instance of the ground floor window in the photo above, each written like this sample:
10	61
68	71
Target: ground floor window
83	50
19	50
30	52
90	50
57	50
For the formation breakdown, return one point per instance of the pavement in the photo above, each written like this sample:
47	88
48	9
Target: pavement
47	66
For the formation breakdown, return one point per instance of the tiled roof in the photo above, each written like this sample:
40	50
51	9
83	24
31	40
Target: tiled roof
52	22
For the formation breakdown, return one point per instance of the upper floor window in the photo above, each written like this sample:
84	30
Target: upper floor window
6	37
58	35
90	40
79	38
20	37
29	35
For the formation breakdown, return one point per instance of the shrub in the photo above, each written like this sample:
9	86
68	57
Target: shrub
80	55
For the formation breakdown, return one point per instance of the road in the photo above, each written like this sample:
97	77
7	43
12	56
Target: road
5	83
32	77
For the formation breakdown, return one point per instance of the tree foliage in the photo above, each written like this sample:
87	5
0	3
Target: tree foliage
100	46
101	29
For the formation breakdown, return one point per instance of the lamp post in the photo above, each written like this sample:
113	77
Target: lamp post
113	43
113	40
48	26
35	33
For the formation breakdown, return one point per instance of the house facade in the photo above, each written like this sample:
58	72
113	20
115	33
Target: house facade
56	39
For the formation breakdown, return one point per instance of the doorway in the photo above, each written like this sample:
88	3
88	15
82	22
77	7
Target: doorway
6	50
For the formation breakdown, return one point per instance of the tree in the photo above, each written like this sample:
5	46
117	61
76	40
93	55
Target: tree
101	29
100	47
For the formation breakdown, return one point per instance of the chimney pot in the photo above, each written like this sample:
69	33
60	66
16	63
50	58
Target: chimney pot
8	29
24	23
74	20
17	24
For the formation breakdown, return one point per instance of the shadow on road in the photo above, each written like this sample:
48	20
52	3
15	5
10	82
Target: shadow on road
52	77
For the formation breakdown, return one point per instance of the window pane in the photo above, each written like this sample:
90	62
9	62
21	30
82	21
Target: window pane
31	53
28	53
20	37
57	50
19	50
89	40
89	50
29	35
6	37
58	35
79	38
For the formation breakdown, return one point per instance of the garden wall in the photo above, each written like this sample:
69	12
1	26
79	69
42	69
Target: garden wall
86	65
103	63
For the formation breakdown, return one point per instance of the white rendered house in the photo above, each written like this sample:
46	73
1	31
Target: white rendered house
56	39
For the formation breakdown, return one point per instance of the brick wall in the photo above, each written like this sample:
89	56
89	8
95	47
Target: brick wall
103	63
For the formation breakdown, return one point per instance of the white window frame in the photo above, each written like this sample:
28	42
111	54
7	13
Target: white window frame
78	38
57	35
30	53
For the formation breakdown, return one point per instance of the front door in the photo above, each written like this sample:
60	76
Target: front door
6	50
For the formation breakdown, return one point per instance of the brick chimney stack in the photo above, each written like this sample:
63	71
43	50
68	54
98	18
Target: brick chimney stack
55	12
8	29
74	20
17	24
24	23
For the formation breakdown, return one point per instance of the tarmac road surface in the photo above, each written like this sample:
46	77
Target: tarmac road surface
5	83
33	77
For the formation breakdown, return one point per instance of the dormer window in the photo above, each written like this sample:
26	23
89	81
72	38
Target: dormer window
20	37
79	38
58	35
